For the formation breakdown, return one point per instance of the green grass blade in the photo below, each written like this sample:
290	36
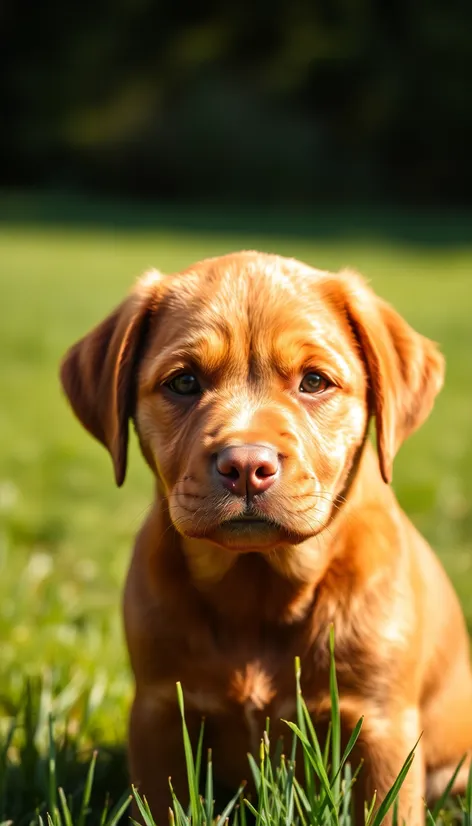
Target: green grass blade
52	784
180	815
395	813
104	815
65	808
277	756
299	799
256	772
369	810
392	794
251	808
327	745
346	798
335	720
351	743
209	790
198	756
311	732
289	793
430	819
242	810
263	801
118	810
440	803
230	806
314	757
143	807
87	791
309	778
191	776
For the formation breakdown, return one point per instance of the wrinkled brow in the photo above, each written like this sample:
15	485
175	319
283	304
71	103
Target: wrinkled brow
213	352
296	354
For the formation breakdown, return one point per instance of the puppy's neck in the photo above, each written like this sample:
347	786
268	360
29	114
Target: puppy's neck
278	584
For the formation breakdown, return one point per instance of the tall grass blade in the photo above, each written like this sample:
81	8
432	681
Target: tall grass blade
299	798
87	791
230	806
242	810
351	743
447	791
143	807
315	760
209	790
65	808
198	756
335	720
392	794
309	778
369	810
52	785
191	776
180	816
118	810
255	770
347	793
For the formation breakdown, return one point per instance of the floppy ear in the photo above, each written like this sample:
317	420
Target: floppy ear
405	369
98	373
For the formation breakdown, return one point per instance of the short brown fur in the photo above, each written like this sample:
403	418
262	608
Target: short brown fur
225	611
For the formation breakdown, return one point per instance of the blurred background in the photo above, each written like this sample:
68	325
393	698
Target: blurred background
277	101
137	134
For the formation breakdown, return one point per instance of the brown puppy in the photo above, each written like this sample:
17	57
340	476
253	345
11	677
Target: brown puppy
251	380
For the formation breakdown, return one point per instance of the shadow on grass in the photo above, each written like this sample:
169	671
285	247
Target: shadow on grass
417	226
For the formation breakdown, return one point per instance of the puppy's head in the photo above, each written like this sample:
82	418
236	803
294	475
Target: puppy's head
251	380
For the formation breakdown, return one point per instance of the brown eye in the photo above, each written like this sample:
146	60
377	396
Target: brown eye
184	385
313	383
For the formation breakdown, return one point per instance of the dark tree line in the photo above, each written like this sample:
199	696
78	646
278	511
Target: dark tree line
264	100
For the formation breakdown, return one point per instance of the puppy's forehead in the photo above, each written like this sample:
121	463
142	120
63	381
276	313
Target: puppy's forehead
249	292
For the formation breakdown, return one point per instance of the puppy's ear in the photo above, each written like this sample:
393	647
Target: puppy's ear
405	369
98	373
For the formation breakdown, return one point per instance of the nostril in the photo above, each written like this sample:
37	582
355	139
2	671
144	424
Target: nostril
232	473
264	471
227	466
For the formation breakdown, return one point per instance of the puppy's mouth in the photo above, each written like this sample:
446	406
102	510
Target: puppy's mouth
248	531
248	519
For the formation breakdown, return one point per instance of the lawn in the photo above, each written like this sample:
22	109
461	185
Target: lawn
66	532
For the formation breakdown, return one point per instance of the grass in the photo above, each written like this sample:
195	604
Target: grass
66	532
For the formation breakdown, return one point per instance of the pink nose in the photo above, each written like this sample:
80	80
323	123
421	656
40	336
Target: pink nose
248	469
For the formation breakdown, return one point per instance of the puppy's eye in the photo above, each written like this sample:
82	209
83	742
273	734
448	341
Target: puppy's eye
313	383
184	385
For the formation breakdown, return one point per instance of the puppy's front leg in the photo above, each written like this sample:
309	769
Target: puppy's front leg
385	746
156	753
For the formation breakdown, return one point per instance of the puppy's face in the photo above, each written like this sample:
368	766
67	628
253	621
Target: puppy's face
251	403
251	380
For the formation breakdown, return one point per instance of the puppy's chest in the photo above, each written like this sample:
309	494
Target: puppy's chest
246	690
244	698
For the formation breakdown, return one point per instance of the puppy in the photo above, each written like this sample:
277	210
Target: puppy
251	380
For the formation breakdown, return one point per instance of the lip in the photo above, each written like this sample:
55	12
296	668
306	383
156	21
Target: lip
247	532
247	520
